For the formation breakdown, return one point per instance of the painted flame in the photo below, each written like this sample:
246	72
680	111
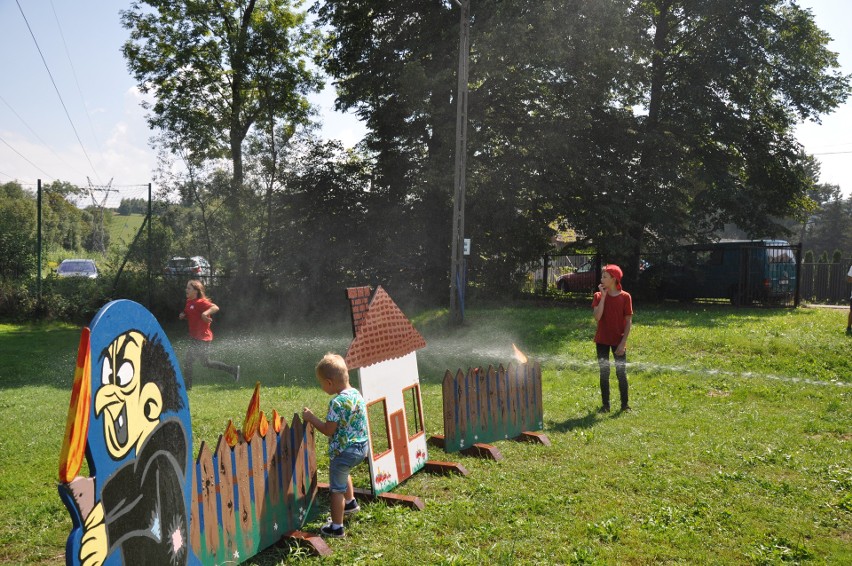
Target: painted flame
519	355
231	434
263	428
276	421
252	414
77	421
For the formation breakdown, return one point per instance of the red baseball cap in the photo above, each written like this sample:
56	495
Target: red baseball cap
616	273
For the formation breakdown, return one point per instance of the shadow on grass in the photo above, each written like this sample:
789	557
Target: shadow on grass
588	420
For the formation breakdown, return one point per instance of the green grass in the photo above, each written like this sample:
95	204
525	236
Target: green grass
737	450
123	229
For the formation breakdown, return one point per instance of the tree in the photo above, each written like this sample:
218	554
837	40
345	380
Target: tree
216	70
640	123
830	226
17	232
394	64
727	82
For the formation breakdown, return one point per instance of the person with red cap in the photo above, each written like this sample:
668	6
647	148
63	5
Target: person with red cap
613	310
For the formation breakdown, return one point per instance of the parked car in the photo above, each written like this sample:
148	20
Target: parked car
195	267
77	268
743	271
584	278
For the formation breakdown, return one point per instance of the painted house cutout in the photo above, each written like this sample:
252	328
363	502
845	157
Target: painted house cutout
384	353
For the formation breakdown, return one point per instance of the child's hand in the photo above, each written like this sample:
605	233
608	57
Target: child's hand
182	316
601	288
306	414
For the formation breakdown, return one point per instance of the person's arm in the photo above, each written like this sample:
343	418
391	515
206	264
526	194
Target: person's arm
328	428
622	346
206	315
599	308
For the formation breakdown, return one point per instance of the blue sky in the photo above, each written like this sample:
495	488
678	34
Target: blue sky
81	43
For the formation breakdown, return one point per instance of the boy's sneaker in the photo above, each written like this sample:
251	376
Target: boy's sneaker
604	409
331	532
351	507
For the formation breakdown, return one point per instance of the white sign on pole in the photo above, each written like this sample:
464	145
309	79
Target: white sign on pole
466	246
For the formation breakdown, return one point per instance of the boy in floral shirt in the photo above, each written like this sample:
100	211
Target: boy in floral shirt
346	427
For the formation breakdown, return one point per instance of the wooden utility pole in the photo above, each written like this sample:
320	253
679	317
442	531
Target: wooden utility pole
457	286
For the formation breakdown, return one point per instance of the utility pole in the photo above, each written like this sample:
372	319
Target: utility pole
457	285
38	244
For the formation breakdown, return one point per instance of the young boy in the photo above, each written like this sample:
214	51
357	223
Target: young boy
346	427
613	309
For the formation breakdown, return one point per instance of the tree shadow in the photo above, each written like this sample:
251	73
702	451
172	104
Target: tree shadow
588	420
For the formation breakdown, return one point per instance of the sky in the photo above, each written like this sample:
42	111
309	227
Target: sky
81	121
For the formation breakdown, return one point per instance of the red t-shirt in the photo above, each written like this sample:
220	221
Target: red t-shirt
611	325
198	329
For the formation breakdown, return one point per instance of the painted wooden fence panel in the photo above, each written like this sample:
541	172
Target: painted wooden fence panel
246	496
492	404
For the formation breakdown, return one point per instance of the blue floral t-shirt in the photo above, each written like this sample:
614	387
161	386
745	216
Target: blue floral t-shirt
349	411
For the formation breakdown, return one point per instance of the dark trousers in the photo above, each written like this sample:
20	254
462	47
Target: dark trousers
620	373
199	350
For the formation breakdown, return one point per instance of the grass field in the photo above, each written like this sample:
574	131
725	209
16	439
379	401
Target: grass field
123	229
738	450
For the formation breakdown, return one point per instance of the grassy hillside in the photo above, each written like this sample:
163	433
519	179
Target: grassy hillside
123	229
737	450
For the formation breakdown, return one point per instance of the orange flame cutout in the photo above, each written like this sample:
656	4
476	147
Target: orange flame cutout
252	414
276	421
231	434
263	428
519	355
77	422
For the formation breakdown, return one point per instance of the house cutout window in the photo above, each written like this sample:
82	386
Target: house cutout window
377	413
414	413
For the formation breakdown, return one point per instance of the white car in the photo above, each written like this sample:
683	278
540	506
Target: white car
77	268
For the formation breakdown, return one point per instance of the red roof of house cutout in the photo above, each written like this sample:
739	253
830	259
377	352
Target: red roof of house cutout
382	331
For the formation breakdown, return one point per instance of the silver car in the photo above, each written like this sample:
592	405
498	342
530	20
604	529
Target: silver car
195	267
77	268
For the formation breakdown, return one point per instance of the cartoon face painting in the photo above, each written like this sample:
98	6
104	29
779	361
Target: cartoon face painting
134	507
130	408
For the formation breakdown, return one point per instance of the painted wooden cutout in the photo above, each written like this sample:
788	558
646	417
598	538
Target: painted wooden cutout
384	353
494	404
146	501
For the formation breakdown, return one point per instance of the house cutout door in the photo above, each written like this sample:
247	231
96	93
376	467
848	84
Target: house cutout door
399	439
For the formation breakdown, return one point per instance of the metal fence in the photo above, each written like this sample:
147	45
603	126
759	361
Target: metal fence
825	282
764	274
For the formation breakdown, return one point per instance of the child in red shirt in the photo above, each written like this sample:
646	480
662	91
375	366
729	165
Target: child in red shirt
613	309
198	312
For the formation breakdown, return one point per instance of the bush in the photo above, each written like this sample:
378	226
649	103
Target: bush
16	302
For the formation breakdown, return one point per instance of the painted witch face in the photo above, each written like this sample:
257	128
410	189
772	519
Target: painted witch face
130	409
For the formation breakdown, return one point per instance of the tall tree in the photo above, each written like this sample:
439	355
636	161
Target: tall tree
726	83
216	70
394	64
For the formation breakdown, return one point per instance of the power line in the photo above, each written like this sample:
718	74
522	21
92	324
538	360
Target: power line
56	88
832	153
76	81
24	157
33	132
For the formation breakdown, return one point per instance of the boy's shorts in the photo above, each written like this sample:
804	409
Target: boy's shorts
338	469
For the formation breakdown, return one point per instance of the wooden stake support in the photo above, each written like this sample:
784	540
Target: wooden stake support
315	542
536	437
437	467
478	450
411	501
